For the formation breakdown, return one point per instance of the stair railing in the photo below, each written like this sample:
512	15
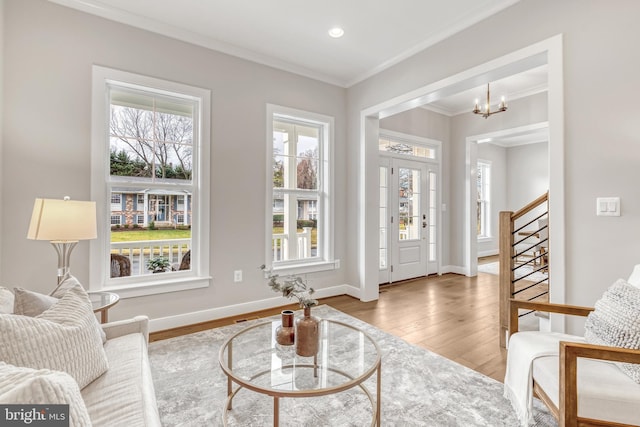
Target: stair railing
516	243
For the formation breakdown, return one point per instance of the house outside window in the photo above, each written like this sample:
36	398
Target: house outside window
299	213
149	140
484	199
115	219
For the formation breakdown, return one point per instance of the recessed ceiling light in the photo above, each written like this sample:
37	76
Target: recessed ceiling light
336	32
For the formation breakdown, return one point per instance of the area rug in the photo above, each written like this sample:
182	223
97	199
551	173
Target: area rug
419	388
494	268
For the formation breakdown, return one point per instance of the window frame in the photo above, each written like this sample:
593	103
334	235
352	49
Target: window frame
485	200
326	259
199	275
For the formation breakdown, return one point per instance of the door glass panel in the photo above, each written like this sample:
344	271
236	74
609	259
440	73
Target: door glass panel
409	204
383	218
432	215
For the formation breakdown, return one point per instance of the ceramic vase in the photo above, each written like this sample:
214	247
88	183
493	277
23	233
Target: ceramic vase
285	333
307	334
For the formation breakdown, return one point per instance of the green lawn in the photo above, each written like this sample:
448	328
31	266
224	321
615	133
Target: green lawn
144	235
136	235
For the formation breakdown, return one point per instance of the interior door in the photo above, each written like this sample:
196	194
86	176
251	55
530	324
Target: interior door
409	226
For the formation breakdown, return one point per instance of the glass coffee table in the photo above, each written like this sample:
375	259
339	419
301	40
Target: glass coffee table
346	358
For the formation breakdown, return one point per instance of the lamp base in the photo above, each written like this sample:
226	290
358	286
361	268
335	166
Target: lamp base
63	248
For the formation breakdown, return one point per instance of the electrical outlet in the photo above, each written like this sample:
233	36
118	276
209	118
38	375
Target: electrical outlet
237	276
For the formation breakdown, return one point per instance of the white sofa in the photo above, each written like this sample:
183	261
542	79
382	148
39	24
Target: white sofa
124	395
62	357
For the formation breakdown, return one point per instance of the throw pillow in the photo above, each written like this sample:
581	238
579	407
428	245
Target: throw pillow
616	322
63	338
6	301
66	284
26	386
29	303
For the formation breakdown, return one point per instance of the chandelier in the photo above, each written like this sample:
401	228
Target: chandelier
486	112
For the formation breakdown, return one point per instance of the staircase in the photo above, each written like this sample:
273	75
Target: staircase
524	257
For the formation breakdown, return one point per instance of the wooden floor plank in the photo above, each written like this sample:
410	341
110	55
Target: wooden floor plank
452	315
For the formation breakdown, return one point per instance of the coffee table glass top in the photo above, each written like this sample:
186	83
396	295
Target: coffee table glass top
346	356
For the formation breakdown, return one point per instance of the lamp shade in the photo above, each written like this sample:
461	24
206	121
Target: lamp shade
62	220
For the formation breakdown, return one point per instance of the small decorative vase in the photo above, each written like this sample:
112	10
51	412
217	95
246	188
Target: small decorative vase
307	334
285	333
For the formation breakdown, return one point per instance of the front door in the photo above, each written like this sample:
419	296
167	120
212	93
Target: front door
408	219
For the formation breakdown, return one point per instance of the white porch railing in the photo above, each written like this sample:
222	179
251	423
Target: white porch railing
280	245
140	252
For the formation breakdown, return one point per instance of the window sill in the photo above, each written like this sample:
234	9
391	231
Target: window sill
157	287
307	268
485	239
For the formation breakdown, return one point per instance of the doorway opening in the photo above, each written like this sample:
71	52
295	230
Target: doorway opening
514	163
459	257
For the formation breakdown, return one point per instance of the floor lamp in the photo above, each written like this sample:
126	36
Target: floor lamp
63	223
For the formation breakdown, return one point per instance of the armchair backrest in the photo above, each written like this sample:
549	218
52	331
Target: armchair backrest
634	279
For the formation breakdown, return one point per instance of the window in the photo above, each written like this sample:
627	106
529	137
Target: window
299	213
484	199
116	219
149	140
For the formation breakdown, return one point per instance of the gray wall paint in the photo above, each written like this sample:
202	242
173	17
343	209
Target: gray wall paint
2	206
601	142
49	51
527	175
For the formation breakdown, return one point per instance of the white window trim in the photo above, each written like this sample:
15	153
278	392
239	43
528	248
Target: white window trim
327	260
134	286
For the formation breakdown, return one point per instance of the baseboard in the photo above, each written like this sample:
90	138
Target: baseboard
169	322
490	252
453	269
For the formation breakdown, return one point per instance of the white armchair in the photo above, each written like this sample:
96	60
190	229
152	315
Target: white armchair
577	380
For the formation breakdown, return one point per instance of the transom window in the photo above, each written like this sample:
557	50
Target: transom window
300	198
396	145
153	140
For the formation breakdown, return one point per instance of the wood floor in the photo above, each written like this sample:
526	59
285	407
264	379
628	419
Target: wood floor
452	315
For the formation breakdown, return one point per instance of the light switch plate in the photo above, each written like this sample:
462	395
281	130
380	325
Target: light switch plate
608	206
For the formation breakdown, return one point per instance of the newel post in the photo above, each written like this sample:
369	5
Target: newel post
506	273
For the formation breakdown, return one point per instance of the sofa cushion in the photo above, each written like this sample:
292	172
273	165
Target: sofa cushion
123	395
63	338
42	387
616	322
29	303
604	391
6	301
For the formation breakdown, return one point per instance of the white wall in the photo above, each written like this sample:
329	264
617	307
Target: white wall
601	145
49	51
